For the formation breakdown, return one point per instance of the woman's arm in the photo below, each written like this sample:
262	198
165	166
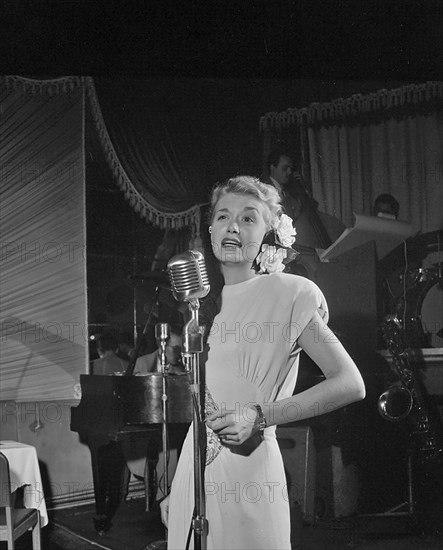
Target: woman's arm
343	385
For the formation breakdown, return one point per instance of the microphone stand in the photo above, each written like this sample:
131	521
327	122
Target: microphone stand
192	347
162	331
164	370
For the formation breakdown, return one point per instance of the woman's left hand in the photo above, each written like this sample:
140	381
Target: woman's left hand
232	427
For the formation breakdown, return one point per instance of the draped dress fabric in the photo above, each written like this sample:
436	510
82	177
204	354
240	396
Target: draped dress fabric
253	358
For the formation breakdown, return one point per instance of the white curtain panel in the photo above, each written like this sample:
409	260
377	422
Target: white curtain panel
353	164
43	239
389	141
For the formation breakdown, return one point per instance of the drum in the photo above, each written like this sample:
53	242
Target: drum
179	403
421	310
143	398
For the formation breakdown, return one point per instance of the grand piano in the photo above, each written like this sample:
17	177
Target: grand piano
114	409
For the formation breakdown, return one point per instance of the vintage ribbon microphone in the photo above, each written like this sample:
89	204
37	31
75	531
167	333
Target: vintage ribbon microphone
162	334
189	282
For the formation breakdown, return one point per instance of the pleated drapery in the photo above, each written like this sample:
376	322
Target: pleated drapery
351	166
44	328
43	239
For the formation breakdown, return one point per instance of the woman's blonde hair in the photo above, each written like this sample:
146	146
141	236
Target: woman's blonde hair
248	185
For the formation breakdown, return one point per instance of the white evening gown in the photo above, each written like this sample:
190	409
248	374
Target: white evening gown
252	359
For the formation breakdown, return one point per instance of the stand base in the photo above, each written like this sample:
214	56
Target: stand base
404	509
157	545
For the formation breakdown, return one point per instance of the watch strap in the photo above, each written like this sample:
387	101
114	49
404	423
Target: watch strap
261	419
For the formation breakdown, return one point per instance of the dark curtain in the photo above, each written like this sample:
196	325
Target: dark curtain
163	132
146	128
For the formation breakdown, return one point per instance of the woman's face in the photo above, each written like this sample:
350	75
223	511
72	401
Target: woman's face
238	228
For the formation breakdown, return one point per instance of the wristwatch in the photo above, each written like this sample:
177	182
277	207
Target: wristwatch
261	419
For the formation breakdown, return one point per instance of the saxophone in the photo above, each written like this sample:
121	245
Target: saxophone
410	398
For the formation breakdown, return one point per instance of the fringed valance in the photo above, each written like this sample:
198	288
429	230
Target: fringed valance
357	104
50	87
53	87
164	220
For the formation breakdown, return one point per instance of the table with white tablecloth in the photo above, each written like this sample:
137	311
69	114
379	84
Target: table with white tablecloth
25	472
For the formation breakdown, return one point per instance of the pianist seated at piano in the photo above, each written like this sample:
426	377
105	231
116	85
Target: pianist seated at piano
135	451
109	363
151	362
119	419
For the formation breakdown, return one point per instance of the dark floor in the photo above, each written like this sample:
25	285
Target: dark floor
134	529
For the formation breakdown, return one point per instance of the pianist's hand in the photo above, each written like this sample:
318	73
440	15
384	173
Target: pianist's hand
164	511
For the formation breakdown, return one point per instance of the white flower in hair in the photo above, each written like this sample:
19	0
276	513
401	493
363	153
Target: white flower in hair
271	256
285	231
271	259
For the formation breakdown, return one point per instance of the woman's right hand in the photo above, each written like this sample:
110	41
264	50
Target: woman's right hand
164	511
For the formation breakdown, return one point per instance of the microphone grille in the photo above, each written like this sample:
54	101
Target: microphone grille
162	331
188	275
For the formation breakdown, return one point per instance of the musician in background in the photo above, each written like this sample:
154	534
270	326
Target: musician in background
386	206
151	362
126	347
111	460
137	453
315	229
109	362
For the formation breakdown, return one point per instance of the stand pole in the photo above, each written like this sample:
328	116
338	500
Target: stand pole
193	346
164	370
162	544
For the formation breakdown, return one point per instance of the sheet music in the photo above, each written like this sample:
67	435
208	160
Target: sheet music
386	233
